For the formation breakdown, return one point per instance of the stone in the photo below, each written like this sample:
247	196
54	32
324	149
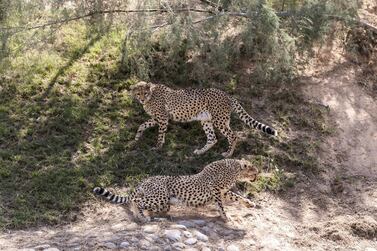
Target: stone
151	237
200	222
227	231
77	248
124	244
173	234
168	248
191	241
200	236
179	226
232	247
205	249
41	247
154	248
213	235
51	249
230	237
151	229
208	229
186	223
144	244
179	245
109	245
119	226
187	234
130	227
134	239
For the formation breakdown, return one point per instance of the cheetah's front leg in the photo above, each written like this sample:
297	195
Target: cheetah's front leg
236	197
162	128
147	124
219	204
211	137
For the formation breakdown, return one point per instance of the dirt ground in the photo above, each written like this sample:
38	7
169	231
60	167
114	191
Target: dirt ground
336	210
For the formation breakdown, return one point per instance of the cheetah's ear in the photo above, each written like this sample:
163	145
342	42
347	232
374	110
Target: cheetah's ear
151	87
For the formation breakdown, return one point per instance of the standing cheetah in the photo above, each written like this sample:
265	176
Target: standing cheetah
212	107
156	194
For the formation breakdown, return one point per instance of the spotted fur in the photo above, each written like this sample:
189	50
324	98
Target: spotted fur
156	194
212	107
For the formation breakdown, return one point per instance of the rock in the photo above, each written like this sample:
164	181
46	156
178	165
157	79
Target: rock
186	223
205	249
232	247
77	248
144	244
151	229
130	227
72	244
191	241
151	237
134	239
200	236
187	234
208	229
191	249
154	248
200	222
227	232
179	226
41	247
168	248
51	249
230	237
119	226
179	245
27	249
213	235
173	235
124	244
109	245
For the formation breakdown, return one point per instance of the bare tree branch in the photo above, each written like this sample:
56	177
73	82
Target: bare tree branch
62	21
248	15
209	3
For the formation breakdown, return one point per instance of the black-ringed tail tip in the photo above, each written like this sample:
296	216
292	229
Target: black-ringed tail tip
110	196
100	191
250	121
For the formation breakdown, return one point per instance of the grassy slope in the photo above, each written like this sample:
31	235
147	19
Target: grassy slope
66	122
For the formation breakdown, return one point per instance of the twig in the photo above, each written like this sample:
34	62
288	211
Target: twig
248	15
101	13
209	3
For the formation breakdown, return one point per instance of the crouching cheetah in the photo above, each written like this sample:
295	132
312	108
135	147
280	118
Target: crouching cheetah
212	107
212	184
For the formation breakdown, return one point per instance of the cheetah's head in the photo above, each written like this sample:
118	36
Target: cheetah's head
248	171
142	91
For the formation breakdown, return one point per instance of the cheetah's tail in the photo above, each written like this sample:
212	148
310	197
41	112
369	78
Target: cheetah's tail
110	196
250	121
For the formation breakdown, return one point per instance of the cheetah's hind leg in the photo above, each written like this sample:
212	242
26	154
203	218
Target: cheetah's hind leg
231	136
211	137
